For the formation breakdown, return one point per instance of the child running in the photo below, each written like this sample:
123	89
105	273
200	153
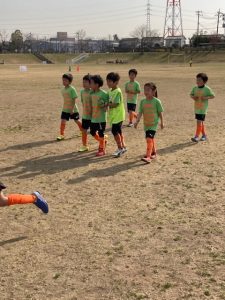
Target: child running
99	104
132	89
70	109
152	110
13	199
116	112
201	94
87	111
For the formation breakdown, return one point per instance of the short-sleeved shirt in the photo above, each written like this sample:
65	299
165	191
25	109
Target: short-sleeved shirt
132	87
69	95
151	110
201	106
86	103
98	100
116	114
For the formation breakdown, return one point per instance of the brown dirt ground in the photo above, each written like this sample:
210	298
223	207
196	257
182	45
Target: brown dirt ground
117	229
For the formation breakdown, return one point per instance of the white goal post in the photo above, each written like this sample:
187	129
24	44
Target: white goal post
176	58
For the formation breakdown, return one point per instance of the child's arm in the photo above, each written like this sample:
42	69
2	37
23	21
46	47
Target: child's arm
113	105
194	97
161	120
138	120
207	97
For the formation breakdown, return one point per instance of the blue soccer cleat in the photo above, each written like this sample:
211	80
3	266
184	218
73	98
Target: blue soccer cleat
41	203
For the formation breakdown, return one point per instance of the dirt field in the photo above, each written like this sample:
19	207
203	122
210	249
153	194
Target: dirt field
117	229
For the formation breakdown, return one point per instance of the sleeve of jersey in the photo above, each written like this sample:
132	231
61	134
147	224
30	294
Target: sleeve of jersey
192	92
138	88
159	107
74	94
117	98
210	92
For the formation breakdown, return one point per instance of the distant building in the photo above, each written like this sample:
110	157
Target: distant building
175	41
129	44
62	43
152	42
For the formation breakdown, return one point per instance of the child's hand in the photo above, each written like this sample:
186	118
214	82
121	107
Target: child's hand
195	98
204	98
135	125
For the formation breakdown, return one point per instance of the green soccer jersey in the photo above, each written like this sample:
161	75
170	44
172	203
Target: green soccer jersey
86	103
201	106
130	88
151	110
69	95
98	101
116	114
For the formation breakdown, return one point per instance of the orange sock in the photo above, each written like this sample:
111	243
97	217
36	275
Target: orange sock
96	136
131	117
122	141
150	146
62	128
134	114
79	124
118	141
20	199
154	147
84	138
203	129
199	129
102	143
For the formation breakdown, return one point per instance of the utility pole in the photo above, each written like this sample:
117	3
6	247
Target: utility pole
198	13
148	25
219	15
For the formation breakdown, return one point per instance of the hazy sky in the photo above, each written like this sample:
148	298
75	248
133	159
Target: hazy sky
100	18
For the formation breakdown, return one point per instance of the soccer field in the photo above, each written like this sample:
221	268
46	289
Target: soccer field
117	229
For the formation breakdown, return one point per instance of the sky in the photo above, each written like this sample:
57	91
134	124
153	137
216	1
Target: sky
101	18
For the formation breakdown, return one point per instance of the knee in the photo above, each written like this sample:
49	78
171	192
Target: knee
3	200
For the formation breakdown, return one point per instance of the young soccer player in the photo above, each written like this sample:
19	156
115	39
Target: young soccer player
87	111
99	104
116	112
70	109
152	110
201	94
132	89
13	199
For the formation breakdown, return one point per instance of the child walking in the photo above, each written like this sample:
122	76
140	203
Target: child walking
87	111
116	112
132	89
13	199
99	104
70	109
152	110
201	94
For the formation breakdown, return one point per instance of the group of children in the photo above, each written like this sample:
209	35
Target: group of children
97	103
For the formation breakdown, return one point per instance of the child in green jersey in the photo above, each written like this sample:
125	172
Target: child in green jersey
70	109
99	104
132	89
87	111
116	112
13	199
152	110
201	94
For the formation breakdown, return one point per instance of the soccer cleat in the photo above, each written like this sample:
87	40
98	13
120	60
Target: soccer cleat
41	203
153	155
118	152
203	138
83	149
130	125
195	139
60	138
124	150
147	160
100	153
2	186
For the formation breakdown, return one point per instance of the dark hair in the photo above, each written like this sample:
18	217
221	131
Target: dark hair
97	80
203	76
133	71
153	87
114	77
87	77
68	76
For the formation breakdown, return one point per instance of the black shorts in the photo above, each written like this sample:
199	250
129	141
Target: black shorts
117	128
98	127
200	117
150	134
67	116
131	106
86	124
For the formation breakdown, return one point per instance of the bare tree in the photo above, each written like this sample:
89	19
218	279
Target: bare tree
139	32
